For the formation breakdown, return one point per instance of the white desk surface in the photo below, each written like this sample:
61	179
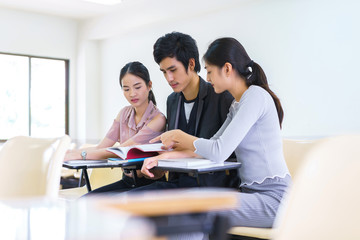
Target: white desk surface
105	217
42	219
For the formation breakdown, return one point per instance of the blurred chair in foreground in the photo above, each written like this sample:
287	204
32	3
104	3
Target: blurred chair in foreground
31	167
295	152
323	202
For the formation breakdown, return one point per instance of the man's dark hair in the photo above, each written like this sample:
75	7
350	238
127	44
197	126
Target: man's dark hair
179	45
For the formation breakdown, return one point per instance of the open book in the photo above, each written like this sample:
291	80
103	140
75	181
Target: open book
184	162
137	151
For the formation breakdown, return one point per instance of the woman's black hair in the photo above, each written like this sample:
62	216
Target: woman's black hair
179	45
139	70
229	50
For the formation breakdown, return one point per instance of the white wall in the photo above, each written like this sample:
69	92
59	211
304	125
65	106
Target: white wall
308	48
87	94
44	36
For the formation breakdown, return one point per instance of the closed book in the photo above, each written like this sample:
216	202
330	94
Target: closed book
184	162
120	160
137	151
87	161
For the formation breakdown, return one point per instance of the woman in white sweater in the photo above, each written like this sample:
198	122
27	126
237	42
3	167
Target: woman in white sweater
252	130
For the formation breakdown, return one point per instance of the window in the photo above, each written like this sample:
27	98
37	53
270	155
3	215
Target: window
33	96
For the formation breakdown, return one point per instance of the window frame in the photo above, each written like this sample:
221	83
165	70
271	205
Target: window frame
67	77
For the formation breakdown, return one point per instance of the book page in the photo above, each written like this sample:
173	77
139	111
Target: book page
137	151
120	151
154	147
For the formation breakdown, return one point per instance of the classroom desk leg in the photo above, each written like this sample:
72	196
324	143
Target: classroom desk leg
134	175
197	179
87	181
195	175
81	177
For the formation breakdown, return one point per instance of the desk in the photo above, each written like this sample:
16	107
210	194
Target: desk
177	210
83	165
139	216
59	220
196	171
193	171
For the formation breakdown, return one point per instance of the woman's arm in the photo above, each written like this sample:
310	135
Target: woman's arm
252	106
229	136
154	128
97	152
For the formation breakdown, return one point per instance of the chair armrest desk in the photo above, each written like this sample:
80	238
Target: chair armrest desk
83	165
195	171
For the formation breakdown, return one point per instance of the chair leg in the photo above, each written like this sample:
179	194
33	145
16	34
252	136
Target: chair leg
221	225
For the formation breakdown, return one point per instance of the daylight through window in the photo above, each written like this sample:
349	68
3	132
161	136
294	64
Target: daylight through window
33	96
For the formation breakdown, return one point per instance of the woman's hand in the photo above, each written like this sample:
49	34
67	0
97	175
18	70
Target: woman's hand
176	139
167	138
72	154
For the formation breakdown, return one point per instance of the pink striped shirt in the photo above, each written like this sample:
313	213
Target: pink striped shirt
126	129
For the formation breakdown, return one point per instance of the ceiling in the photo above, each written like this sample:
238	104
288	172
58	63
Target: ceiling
76	9
130	13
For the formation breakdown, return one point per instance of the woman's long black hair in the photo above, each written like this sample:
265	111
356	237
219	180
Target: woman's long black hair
229	50
138	69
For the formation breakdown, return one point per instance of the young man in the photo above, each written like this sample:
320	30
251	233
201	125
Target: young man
193	107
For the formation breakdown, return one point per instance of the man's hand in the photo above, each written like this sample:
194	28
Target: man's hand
149	163
147	168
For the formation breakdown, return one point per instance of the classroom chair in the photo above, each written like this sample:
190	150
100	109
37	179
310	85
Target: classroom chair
323	202
31	167
295	152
